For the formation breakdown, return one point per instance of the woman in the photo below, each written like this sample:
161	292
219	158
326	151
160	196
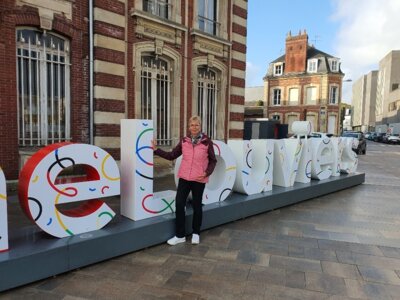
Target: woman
198	162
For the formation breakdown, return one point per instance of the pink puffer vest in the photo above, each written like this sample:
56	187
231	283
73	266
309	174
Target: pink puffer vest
194	161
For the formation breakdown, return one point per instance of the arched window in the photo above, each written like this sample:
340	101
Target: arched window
207	95
155	96
43	87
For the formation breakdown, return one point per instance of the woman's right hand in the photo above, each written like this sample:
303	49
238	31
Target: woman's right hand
153	145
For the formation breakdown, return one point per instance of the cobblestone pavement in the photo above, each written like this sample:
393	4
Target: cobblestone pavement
344	245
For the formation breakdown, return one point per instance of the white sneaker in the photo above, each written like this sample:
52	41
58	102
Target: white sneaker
195	239
175	240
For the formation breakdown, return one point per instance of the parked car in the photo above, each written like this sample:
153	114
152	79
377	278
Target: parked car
362	143
316	135
393	139
379	137
385	138
367	134
372	136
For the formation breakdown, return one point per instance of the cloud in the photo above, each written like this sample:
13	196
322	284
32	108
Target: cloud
253	75
368	30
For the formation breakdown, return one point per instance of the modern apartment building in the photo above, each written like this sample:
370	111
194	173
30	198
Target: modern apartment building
304	84
71	70
388	93
364	102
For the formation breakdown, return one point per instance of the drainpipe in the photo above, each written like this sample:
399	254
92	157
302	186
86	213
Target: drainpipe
91	121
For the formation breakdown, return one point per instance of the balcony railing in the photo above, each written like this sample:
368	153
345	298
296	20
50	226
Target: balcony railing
208	25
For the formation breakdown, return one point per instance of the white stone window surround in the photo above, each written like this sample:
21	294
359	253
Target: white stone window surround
276	96
278	69
311	94
334	94
334	64
312	65
294	94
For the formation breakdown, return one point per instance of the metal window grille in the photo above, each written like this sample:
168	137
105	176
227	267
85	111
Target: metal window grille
43	88
207	16
207	95
155	97
159	8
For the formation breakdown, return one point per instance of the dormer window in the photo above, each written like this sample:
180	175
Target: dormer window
334	64
312	65
278	69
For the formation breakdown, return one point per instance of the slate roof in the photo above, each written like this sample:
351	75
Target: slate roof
312	52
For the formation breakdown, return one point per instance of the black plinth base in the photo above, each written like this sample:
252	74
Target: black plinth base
35	255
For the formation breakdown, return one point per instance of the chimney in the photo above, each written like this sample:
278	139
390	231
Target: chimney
296	52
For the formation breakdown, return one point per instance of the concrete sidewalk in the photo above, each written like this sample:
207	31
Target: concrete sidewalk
341	246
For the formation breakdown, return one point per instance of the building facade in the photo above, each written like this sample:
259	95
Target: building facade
358	102
345	117
304	84
364	102
71	70
388	93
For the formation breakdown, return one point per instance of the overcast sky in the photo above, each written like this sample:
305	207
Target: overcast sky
359	32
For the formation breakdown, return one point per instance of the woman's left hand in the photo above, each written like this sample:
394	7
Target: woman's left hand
202	177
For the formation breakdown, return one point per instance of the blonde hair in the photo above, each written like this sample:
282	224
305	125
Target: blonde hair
195	119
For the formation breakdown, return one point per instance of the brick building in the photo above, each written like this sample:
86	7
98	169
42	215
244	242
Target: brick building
71	70
304	84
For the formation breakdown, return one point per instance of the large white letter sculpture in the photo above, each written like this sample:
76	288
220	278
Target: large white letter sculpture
137	198
253	165
349	161
303	129
40	192
3	213
286	161
322	158
269	160
338	146
221	181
